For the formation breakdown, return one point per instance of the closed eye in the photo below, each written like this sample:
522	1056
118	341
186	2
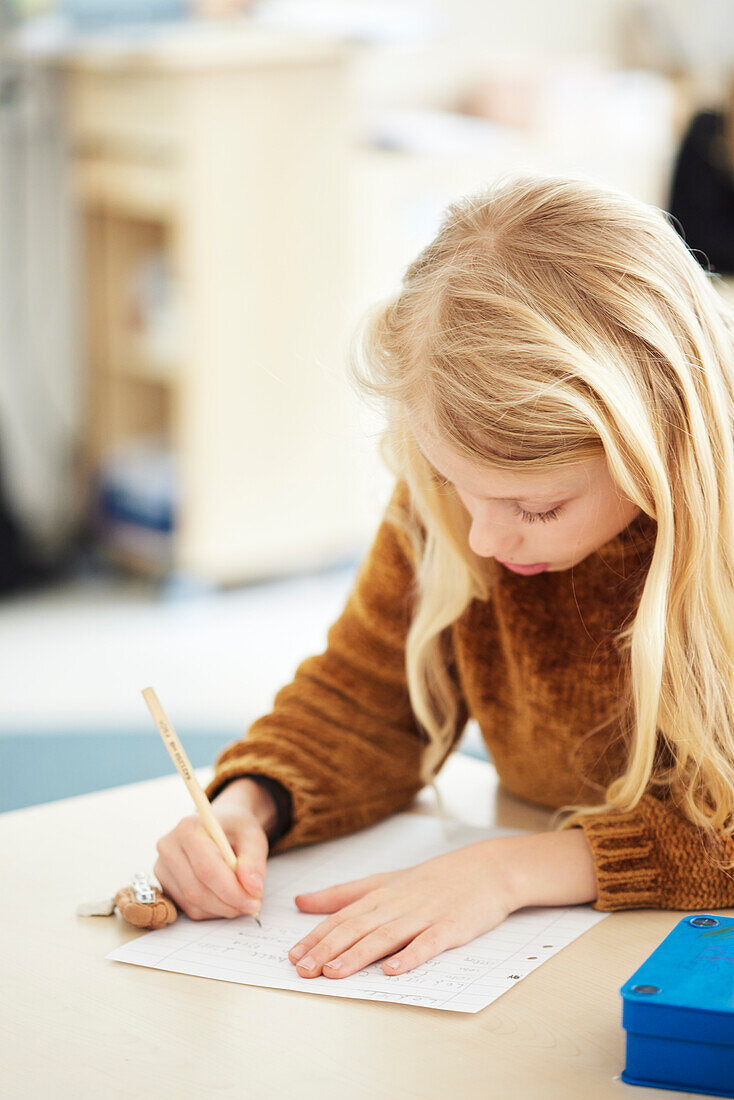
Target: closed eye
533	517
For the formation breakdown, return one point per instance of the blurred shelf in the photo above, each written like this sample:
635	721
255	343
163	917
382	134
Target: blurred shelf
127	187
138	361
184	170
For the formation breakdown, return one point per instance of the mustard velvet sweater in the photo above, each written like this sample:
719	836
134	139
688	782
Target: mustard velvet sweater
536	667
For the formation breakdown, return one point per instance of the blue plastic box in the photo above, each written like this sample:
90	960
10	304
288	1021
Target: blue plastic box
679	1010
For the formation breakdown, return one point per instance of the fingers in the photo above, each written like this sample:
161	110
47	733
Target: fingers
356	919
168	882
192	871
354	944
352	915
251	847
426	945
249	875
379	943
210	868
336	897
219	891
193	897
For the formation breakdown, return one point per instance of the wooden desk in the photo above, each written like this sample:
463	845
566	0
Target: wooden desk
81	1026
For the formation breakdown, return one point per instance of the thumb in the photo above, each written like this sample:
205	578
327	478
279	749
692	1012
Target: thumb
250	846
250	873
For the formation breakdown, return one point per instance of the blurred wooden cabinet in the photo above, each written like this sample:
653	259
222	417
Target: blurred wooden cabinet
229	167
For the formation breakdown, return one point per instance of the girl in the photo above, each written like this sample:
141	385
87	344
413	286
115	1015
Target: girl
557	562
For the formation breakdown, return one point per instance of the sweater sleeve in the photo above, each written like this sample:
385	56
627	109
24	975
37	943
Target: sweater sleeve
342	738
652	857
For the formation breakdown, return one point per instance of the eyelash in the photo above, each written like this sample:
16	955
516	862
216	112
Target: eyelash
544	517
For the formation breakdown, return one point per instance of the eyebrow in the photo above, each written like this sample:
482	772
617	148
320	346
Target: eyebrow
528	496
561	494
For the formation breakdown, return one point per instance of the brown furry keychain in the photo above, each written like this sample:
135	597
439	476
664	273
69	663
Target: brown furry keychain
141	904
147	908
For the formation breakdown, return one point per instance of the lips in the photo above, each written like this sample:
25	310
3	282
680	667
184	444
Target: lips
526	570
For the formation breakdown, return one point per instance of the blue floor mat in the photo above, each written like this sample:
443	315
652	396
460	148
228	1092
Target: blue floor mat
44	767
38	768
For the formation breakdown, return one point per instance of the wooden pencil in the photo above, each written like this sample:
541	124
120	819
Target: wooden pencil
203	806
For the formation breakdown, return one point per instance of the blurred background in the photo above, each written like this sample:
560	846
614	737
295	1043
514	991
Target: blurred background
198	201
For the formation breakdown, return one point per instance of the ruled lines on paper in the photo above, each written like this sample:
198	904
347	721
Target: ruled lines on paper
462	979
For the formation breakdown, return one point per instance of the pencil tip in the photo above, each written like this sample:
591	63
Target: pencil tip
258	922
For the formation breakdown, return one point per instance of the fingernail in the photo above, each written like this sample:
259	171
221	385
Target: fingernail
335	964
256	878
307	963
297	952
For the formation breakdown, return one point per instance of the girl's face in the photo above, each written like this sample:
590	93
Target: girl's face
549	521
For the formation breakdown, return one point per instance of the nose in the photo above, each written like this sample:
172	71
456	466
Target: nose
493	540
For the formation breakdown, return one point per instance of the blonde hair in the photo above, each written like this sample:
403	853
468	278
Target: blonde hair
550	321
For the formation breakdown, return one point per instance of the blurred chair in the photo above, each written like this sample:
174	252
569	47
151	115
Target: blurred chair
702	188
39	366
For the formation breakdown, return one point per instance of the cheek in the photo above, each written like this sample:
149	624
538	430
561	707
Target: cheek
590	528
577	534
568	543
561	537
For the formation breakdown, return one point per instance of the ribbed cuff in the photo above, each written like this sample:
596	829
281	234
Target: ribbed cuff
625	861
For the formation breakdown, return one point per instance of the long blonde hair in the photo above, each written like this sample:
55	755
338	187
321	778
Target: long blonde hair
552	320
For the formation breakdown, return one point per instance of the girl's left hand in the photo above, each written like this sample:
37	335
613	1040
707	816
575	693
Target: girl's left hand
426	909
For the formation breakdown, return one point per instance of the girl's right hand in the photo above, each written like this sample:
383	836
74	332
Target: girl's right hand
192	871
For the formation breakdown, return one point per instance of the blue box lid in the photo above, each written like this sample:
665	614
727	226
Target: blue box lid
685	988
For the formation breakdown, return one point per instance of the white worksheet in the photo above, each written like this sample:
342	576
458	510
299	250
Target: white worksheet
462	979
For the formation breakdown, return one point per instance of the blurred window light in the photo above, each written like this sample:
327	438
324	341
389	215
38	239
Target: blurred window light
379	23
87	15
438	133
